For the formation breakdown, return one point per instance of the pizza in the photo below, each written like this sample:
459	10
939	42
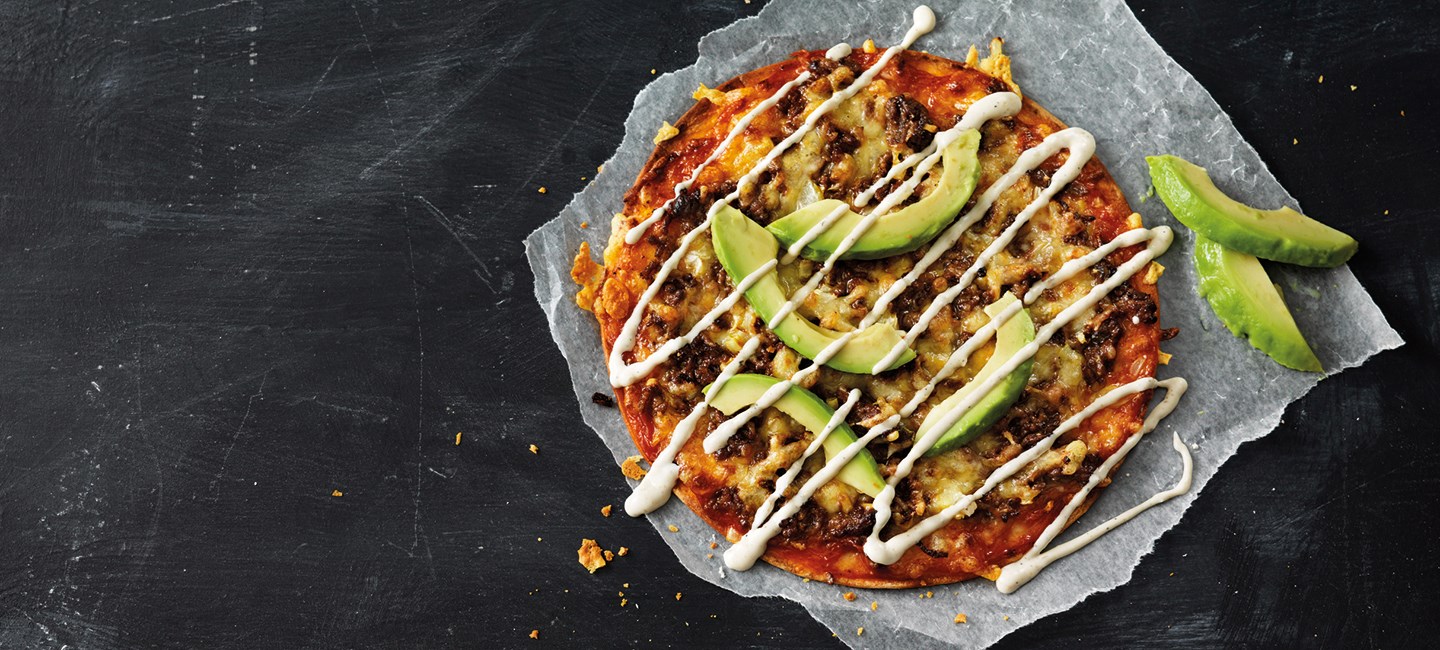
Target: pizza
824	475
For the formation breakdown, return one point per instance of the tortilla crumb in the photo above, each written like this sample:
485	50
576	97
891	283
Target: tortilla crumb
666	132
931	128
609	556
673	528
599	169
605	512
584	224
337	493
542	189
1321	79
457	437
860	631
874	605
1134	221
960	618
1353	87
677	595
534	449
869	46
1294	140
1153	271
534	634
929	594
709	556
589	275
626	585
849	595
631	468
652	70
622	553
713	545
1165	358
1006	617
592	557
623	601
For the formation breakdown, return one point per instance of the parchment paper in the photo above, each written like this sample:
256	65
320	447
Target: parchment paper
1093	65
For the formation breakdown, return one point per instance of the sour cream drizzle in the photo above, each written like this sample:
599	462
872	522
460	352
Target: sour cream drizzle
783	483
752	545
622	374
654	489
1014	576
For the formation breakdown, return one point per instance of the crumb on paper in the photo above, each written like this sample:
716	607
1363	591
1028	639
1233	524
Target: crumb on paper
605	512
1006	617
860	631
631	468
589	275
849	595
960	618
673	528
667	131
874	605
713	545
584	224
869	46
599	169
709	556
337	493
652	70
592	557
457	437
929	594
624	550
542	189
601	399
534	449
534	634
1165	358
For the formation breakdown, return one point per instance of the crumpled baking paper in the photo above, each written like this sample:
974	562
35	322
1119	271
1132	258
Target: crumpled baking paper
1094	66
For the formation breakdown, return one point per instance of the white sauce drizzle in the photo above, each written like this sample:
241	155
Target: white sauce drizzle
840	51
654	489
783	483
622	374
633	235
746	552
1014	576
1081	145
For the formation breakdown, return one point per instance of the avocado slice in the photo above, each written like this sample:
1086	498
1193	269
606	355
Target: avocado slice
1281	235
899	231
1241	294
811	412
1016	333
743	246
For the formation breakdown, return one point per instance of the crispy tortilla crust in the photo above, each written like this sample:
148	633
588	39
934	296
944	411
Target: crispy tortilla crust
992	542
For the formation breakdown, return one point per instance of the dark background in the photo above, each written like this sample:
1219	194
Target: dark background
257	252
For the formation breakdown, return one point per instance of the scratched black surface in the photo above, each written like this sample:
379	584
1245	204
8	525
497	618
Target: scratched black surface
254	253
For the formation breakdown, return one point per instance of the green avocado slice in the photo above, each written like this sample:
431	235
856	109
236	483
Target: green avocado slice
1281	235
1016	333
811	412
1241	294
743	247
899	231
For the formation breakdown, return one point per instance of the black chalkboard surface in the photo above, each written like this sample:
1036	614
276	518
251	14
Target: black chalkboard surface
261	265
